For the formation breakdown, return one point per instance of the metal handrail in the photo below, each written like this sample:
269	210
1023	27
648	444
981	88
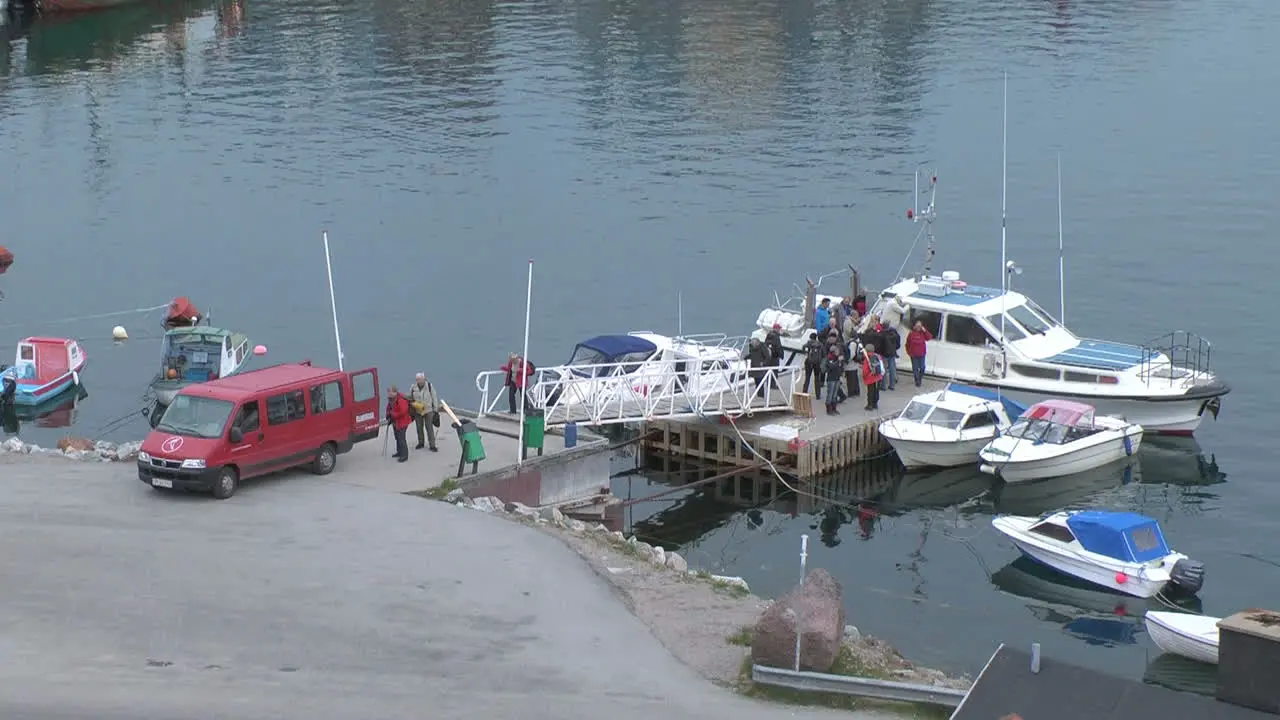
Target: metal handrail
1176	352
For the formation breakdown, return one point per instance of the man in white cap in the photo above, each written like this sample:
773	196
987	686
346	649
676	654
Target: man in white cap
422	398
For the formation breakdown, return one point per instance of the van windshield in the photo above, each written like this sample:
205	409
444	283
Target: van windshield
196	416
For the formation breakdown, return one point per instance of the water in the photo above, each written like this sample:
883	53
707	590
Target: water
722	150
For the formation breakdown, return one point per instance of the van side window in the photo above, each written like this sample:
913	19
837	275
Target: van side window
326	397
285	408
363	387
249	419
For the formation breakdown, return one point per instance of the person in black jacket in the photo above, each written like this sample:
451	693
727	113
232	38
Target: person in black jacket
833	368
773	341
892	342
813	357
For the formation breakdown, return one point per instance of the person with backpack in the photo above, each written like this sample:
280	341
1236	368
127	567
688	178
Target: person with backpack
813	358
872	374
892	342
854	355
832	369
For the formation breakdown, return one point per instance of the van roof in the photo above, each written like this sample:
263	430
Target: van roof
250	383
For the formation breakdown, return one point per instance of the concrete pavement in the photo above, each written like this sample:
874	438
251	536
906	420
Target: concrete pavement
305	597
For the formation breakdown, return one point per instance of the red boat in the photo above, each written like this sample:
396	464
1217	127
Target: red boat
44	368
6	259
182	313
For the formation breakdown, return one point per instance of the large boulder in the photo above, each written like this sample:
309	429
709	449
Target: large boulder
817	607
75	443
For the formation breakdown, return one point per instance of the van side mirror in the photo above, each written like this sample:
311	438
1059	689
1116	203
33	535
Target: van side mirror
236	435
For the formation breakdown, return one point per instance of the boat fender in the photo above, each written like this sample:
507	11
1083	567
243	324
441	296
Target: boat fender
1121	578
75	378
989	469
1128	447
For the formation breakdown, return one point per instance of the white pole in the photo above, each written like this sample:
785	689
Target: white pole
1062	272
679	314
524	359
804	557
333	302
1004	182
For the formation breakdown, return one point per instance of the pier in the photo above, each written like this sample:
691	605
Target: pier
820	444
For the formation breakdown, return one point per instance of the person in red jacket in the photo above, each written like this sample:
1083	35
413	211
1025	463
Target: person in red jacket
518	372
917	346
399	418
872	372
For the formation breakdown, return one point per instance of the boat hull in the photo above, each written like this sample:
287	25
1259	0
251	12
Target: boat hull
916	454
1194	637
27	394
1098	570
1076	460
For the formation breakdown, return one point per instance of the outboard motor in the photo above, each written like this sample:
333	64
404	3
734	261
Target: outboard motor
1187	576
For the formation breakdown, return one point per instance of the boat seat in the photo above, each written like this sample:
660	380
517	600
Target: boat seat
197	375
27	372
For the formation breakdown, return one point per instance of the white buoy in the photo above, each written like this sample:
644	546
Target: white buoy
119	333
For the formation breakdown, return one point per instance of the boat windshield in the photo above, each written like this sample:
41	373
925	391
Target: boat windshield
583	355
927	414
1011	330
196	416
1041	431
1030	319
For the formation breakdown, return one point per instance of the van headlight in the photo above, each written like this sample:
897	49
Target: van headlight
143	457
193	464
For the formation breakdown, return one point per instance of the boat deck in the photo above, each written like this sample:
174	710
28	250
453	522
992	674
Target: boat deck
824	443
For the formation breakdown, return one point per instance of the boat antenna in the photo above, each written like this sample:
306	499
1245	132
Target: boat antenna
1004	185
679	314
916	214
1062	272
333	302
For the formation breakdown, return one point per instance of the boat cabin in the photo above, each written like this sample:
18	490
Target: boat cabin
201	353
1056	422
982	332
1124	536
961	407
43	360
633	350
608	350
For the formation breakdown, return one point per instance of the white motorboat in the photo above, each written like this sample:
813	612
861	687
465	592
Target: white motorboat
1056	438
1191	636
998	338
641	363
1122	551
948	427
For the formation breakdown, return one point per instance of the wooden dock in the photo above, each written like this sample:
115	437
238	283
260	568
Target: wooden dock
825	443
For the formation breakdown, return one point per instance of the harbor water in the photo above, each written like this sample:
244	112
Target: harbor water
716	151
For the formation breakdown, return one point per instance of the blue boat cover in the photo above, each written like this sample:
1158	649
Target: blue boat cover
1120	535
1013	409
613	346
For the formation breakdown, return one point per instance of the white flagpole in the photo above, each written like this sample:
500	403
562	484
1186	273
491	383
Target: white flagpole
333	302
1062	272
528	305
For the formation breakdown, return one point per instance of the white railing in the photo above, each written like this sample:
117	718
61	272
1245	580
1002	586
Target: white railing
615	393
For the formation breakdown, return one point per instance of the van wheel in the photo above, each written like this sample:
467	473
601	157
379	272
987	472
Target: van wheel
326	460
228	481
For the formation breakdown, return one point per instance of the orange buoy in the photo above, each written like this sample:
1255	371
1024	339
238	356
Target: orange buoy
173	373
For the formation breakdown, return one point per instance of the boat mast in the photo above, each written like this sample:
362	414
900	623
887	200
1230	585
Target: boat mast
1062	272
1004	198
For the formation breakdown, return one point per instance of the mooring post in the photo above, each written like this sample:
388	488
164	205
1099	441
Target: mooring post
1035	658
804	557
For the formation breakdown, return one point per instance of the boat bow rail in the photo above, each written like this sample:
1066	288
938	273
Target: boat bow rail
620	393
1180	358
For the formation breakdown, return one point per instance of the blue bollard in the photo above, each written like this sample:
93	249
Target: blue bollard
571	435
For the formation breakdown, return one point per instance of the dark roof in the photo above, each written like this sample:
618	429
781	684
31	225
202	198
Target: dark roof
615	345
247	383
1066	692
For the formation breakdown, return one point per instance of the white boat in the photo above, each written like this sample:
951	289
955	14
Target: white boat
1056	438
1191	636
947	427
1122	551
1001	339
642	362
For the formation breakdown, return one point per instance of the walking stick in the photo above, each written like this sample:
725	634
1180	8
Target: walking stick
386	436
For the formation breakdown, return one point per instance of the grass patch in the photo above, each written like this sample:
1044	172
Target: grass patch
446	486
743	638
846	664
733	590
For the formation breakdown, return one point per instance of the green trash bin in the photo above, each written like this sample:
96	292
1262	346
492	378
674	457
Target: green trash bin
472	447
535	428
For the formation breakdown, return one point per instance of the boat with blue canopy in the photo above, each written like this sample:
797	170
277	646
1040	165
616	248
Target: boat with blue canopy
1122	551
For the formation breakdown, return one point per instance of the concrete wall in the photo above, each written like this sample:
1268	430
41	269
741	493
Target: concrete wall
553	479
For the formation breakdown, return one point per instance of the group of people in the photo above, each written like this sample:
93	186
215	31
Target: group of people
837	348
421	407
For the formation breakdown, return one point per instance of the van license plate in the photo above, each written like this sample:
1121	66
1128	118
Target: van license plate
160	482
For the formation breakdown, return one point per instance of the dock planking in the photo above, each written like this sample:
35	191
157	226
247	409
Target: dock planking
825	443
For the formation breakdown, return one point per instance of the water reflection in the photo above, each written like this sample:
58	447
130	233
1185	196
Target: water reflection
1070	491
1181	674
57	412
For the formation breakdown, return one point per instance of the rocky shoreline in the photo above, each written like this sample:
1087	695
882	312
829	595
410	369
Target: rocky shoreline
706	621
74	448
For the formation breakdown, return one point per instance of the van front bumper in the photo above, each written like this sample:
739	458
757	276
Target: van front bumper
201	480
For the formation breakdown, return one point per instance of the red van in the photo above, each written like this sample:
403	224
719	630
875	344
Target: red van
215	434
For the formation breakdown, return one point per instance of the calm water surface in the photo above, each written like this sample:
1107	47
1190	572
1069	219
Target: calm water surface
637	150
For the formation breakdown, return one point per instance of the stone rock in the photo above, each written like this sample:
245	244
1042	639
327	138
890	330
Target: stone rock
455	495
600	528
851	634
127	452
552	515
617	536
732	580
14	446
632	541
644	549
575	525
521	510
677	563
105	450
659	555
817	607
487	504
75	443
